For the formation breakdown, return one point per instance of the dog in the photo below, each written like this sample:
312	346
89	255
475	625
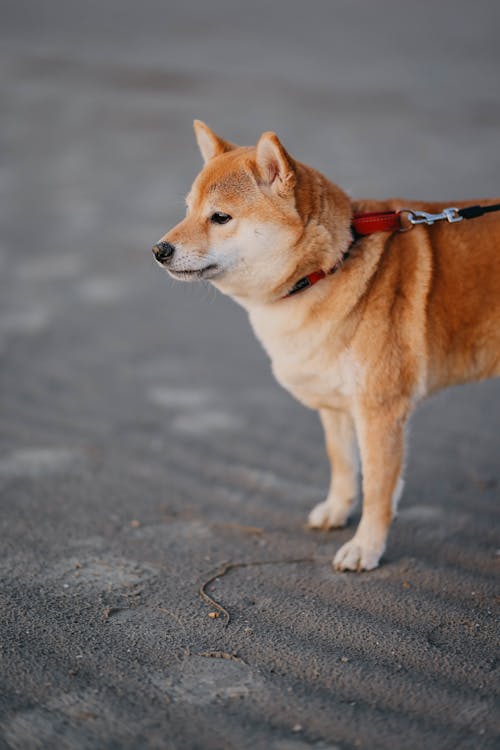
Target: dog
360	327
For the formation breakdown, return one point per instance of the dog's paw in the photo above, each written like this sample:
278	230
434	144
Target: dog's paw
327	516
354	555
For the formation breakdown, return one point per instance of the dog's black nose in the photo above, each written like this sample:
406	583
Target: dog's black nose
163	251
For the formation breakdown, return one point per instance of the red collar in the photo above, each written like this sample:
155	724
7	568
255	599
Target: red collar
306	281
388	221
362	224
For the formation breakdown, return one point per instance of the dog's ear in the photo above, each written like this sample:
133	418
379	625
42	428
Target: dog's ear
275	165
209	144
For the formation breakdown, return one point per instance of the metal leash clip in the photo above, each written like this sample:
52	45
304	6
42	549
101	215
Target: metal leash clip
451	214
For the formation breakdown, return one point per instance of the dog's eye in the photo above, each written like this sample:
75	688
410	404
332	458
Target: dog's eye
220	218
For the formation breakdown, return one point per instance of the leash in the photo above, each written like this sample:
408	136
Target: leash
391	221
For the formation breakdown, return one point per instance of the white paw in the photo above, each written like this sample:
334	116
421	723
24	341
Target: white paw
327	516
354	555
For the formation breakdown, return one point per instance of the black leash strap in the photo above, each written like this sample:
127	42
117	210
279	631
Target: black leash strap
473	212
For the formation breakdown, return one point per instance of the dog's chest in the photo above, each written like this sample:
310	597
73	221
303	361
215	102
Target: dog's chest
318	381
310	365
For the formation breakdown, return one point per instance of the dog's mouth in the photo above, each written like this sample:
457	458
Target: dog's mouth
208	272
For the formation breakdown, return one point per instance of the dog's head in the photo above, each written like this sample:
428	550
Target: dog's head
256	220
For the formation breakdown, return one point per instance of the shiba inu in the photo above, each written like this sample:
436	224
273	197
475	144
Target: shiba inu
360	326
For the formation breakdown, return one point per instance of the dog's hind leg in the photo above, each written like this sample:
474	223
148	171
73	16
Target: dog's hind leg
340	445
381	442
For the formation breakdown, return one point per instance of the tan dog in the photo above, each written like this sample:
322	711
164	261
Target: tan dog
403	316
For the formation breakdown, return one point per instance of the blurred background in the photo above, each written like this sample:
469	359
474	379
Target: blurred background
142	435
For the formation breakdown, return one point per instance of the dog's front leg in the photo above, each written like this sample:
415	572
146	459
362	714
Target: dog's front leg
381	442
340	445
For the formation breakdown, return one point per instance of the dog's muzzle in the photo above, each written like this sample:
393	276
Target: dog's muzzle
163	252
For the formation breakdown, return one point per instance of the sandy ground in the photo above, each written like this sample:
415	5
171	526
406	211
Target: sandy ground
143	441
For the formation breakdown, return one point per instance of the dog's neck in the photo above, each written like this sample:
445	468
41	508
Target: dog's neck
320	203
326	214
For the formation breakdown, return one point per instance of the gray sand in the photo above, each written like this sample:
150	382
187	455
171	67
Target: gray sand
143	440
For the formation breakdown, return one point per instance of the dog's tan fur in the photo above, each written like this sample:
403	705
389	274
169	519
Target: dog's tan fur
406	314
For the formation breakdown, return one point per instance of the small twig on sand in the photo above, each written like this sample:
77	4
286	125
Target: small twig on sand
226	567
